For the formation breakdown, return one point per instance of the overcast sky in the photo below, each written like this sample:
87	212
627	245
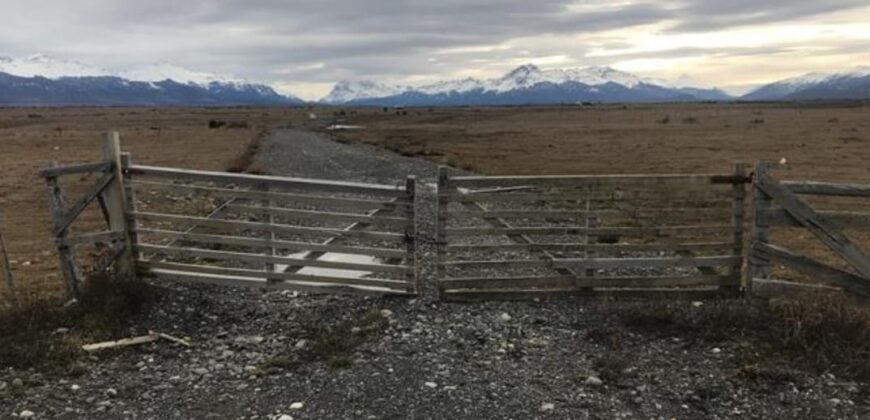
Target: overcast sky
303	47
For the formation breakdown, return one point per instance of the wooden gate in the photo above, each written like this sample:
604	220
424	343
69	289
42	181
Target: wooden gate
785	204
529	236
254	230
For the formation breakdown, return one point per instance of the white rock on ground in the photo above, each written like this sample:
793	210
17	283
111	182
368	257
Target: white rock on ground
296	406
594	381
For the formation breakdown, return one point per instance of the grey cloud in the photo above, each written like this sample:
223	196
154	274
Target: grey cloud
285	40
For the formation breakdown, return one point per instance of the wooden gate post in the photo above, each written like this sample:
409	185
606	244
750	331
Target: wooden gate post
758	268
441	227
116	205
411	234
737	221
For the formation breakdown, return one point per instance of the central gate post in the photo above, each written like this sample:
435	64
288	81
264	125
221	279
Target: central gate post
116	205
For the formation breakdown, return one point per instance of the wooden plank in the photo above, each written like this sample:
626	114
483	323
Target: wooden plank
272	181
634	213
580	282
399	285
360	204
57	171
575	180
260	258
106	237
277	228
829	275
313	214
235	281
771	288
827	188
667	199
475	295
829	233
281	245
845	219
599	263
578	230
69	216
600	248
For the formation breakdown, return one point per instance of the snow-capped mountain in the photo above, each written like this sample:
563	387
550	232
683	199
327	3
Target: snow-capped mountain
43	80
347	91
48	67
526	84
166	71
853	84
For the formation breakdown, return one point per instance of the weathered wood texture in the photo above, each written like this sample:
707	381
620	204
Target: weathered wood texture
826	226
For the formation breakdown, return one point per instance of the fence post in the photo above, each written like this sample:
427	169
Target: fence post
737	221
130	192
66	253
116	204
10	280
269	234
411	234
441	226
761	202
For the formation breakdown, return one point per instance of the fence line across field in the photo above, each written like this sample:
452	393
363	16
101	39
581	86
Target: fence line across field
672	234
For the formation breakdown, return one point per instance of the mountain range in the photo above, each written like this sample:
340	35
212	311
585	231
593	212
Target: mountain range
42	80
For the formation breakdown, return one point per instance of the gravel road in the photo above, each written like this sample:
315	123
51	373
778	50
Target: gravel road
283	355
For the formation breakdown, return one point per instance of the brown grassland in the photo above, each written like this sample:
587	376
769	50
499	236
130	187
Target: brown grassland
819	142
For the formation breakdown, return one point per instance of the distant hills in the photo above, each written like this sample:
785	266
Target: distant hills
853	84
41	80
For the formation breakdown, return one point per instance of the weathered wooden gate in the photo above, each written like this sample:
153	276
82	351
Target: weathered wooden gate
529	236
787	205
250	230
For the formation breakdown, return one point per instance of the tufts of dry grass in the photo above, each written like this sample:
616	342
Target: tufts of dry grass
42	333
814	333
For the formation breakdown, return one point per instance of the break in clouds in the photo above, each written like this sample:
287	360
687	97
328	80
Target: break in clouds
308	45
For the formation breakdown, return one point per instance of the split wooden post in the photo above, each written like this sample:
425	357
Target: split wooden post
116	203
65	252
737	220
411	234
441	227
758	267
130	193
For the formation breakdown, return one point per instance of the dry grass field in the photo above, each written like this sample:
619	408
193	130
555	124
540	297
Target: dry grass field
824	142
830	142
